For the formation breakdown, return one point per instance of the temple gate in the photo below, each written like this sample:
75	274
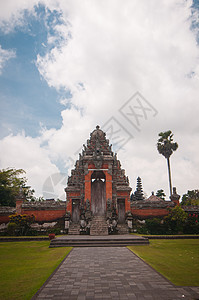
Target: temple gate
98	189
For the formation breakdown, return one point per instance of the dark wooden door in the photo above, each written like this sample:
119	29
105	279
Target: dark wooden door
121	211
75	210
98	197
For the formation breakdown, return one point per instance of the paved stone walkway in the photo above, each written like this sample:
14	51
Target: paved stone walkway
109	273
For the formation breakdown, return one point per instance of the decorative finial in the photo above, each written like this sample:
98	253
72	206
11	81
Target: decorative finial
97	127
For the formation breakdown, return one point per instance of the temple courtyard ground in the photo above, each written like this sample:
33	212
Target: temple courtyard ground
109	273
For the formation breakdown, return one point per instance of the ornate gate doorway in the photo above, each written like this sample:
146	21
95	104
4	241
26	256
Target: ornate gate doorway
75	210
121	210
98	193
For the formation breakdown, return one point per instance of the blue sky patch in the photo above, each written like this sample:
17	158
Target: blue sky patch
26	98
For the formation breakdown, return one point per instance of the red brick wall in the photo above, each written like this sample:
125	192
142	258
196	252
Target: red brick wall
45	215
156	212
122	194
88	186
126	196
40	215
91	166
69	205
70	196
4	219
108	185
127	204
104	166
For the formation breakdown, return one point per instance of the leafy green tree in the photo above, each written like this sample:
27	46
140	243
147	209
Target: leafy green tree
166	147
161	194
175	221
11	181
191	198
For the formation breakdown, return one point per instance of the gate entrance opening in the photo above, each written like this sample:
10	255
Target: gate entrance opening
75	210
98	193
121	210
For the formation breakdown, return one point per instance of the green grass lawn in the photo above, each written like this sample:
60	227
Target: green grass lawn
177	260
169	235
25	266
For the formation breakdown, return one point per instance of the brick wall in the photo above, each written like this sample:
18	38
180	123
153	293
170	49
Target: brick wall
4	219
5	212
146	213
45	215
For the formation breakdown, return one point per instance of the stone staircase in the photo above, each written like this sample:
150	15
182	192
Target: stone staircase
122	229
99	226
98	241
74	229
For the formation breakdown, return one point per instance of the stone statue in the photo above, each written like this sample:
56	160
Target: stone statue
109	204
88	206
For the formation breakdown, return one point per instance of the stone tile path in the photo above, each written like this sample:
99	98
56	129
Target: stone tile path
109	273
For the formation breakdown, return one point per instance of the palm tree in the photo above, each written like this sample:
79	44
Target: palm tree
166	146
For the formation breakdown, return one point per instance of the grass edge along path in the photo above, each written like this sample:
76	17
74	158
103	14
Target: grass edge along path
177	260
25	266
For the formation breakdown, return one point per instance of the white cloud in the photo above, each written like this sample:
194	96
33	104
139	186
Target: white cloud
26	153
5	55
107	51
12	13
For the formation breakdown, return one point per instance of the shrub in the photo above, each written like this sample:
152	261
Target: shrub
23	223
54	230
175	221
142	229
155	226
11	230
191	225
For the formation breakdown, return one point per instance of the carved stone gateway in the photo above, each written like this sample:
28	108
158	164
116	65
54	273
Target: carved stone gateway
98	186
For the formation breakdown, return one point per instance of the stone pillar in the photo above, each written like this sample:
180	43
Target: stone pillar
87	194
127	204
20	200
108	186
19	203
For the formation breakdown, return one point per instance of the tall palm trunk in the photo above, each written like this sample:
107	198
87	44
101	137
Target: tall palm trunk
169	171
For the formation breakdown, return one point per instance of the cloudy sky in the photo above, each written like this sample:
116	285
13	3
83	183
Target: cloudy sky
131	67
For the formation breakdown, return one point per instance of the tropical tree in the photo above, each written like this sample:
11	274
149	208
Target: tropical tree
11	182
191	198
166	147
161	194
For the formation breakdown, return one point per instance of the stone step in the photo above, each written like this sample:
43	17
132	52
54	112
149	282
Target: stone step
122	229
93	241
74	229
99	226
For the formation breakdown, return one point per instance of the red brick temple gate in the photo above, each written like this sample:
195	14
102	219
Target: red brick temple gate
98	192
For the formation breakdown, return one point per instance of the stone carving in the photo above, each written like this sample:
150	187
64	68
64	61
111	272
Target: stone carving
110	169
67	216
175	196
88	206
97	163
109	202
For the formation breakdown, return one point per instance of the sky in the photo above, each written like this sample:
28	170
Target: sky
130	67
